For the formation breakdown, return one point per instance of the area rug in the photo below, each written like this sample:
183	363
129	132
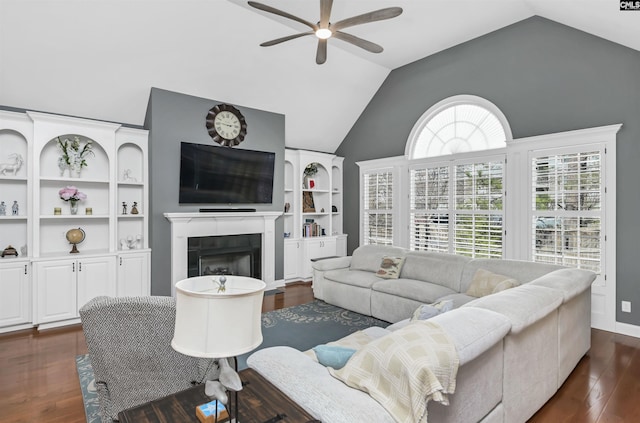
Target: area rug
300	327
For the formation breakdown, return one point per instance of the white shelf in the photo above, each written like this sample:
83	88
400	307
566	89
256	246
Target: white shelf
130	216
74	181
13	178
73	216
11	217
130	184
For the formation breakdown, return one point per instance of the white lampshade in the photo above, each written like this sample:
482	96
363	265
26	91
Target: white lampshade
216	324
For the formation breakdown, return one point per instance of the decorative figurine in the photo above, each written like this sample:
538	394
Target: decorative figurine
287	206
134	208
3	209
123	244
14	208
126	176
124	208
13	167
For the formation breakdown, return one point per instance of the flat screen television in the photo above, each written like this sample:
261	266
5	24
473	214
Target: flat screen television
223	175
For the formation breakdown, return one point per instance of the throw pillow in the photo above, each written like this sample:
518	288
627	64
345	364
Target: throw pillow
333	356
485	282
427	311
390	267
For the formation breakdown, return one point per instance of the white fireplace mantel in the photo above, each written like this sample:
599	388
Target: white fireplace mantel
186	225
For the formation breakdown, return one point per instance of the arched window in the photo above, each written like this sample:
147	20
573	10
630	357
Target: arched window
458	125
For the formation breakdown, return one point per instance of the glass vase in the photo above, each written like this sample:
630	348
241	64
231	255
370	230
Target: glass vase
74	206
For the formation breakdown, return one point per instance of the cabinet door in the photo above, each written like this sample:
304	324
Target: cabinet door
15	301
56	290
317	248
96	276
133	275
292	259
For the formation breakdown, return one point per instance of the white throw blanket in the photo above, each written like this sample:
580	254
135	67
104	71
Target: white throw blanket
405	369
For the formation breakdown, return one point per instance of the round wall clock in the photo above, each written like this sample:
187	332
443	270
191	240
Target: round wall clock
226	125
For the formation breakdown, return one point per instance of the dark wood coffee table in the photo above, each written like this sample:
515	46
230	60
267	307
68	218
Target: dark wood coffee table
259	401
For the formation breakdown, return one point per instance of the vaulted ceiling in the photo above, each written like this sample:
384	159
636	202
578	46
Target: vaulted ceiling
100	58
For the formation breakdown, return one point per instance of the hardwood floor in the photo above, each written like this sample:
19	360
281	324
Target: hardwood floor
39	383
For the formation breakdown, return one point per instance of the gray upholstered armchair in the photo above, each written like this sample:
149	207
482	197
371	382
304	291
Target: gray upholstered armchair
129	342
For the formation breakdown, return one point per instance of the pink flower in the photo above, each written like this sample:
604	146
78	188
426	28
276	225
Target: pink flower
71	193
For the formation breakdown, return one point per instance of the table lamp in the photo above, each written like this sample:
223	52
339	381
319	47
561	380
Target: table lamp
218	317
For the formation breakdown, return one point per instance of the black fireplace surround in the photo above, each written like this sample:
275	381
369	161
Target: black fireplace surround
238	255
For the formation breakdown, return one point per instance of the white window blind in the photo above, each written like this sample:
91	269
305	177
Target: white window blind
478	209
378	207
458	208
567	216
429	215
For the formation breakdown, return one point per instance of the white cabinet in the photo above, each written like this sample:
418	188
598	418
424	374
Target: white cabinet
315	248
292	248
313	210
133	274
63	286
15	293
114	179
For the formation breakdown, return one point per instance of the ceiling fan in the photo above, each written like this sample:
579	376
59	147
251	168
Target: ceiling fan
325	29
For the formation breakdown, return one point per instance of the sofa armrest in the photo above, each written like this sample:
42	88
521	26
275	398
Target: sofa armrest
523	305
572	282
332	263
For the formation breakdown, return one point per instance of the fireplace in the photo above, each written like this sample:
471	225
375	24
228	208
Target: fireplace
238	255
185	226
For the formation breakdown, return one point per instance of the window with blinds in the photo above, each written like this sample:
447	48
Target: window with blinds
566	222
378	207
458	208
429	215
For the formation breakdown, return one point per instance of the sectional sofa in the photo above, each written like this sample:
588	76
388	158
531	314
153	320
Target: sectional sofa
515	346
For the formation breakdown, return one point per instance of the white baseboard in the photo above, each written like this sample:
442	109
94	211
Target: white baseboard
275	284
628	329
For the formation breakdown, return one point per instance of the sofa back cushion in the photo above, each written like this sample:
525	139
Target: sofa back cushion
369	257
439	268
522	271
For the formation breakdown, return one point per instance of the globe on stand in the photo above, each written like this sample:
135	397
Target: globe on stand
75	236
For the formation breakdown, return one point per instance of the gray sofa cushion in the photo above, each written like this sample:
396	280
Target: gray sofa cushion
424	292
439	268
358	278
523	305
571	282
369	257
458	299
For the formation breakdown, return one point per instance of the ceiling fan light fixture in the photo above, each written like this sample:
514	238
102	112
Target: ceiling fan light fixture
324	33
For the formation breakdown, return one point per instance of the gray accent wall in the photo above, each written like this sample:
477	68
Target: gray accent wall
546	78
172	118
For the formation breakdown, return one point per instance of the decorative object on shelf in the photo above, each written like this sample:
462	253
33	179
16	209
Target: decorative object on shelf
226	125
73	155
322	210
134	208
15	208
287	206
131	243
311	183
127	176
10	251
334	209
3	208
75	237
13	166
73	196
88	211
309	172
124	207
57	211
23	250
287	234
324	233
308	205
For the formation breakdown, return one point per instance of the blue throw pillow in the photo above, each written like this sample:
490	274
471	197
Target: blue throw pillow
333	355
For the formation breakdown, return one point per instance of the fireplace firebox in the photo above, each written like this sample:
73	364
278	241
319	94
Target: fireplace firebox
238	255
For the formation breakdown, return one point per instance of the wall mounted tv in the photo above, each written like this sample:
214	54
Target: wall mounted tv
211	174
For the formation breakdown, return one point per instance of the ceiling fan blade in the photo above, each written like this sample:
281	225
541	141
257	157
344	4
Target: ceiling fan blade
376	15
357	41
321	54
279	12
283	39
325	12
